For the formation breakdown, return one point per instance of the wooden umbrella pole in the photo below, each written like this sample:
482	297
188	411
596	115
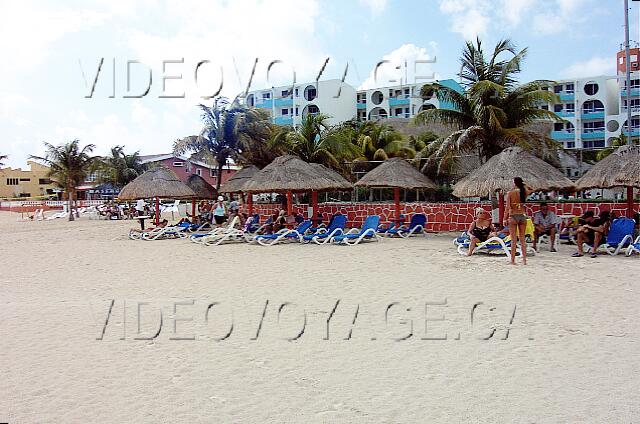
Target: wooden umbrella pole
289	203
396	199
250	203
157	211
500	207
630	202
314	204
193	209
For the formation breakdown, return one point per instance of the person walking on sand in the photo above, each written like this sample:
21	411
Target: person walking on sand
516	217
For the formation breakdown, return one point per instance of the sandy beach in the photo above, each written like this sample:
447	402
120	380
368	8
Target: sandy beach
396	331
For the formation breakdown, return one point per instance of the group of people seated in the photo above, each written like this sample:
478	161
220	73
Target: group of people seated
590	229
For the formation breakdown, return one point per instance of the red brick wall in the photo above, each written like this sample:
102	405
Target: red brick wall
440	216
184	174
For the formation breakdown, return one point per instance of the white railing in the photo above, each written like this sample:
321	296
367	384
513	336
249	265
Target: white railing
50	203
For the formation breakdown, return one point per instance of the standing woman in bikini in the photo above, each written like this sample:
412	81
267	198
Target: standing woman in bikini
516	217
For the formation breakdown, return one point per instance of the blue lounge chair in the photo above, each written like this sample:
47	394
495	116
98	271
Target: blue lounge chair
325	235
620	235
634	247
416	226
283	235
367	233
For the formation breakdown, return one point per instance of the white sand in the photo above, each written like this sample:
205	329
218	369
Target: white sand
572	354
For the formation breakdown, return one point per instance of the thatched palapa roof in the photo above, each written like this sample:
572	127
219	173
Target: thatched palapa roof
236	183
290	173
499	171
396	172
157	182
201	187
332	175
620	168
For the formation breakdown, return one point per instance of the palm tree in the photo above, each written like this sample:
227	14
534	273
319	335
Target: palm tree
315	141
476	67
228	131
68	165
2	158
616	142
119	168
491	114
380	142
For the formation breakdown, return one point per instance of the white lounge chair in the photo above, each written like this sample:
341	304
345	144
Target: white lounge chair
202	237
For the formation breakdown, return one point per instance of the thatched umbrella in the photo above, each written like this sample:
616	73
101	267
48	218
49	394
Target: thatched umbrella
396	173
332	175
290	174
159	182
202	189
236	183
620	168
497	174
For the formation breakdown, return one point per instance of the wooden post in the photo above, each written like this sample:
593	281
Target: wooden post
396	199
630	202
314	204
500	207
250	203
193	209
157	211
289	203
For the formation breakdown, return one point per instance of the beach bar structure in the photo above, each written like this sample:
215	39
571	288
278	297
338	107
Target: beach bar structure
236	184
620	169
289	174
497	174
157	183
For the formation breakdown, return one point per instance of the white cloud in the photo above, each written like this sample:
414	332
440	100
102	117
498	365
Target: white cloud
389	74
593	67
375	6
472	18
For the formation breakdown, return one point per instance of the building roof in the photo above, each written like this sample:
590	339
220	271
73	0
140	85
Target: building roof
163	156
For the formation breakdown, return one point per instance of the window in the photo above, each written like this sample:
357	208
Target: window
285	93
25	180
285	112
25	194
544	107
398	111
12	181
296	110
557	89
178	164
43	181
199	172
313	109
571	144
557	108
570	108
590	127
592	106
591	88
266	95
212	173
296	91
569	88
310	93
635	83
558	126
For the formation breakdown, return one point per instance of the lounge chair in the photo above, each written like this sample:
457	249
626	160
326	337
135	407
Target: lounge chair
201	237
164	233
620	236
498	244
367	233
416	226
634	247
283	235
324	235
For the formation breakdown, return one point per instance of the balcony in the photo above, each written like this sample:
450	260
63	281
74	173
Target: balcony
566	96
593	114
361	105
283	120
593	133
566	113
397	101
284	101
634	109
563	135
264	103
634	92
635	131
401	115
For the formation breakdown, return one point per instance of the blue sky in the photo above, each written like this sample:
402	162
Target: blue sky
46	46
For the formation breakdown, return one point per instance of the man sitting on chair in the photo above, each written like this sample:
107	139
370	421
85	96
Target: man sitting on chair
545	224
